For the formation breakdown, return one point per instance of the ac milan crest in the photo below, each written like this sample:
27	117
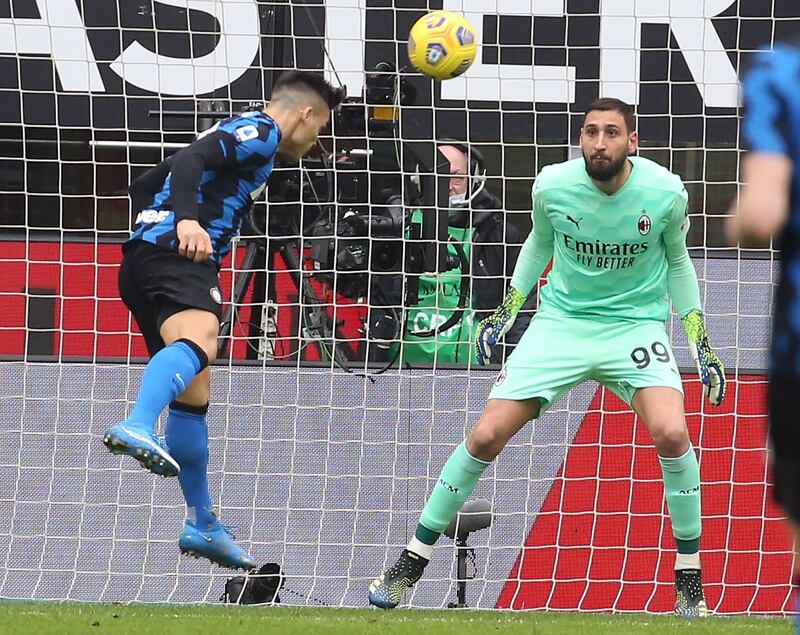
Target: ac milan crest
644	224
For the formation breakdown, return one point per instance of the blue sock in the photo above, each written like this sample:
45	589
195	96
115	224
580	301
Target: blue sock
168	374
187	442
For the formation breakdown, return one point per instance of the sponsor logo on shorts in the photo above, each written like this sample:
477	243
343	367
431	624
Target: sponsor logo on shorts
644	223
501	377
216	295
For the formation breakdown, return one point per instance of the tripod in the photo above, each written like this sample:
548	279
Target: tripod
463	553
319	322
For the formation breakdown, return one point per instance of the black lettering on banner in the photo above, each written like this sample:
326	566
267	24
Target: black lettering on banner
641	356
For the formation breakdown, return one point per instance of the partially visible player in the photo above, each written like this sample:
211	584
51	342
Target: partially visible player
615	226
192	205
769	206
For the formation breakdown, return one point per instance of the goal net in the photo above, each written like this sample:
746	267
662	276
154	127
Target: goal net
322	461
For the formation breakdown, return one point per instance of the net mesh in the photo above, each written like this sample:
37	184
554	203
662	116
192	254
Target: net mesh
325	471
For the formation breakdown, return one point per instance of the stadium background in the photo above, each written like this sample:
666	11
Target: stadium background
326	473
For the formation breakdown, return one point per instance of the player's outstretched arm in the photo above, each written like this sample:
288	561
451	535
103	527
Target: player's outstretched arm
536	252
685	293
187	170
188	166
709	365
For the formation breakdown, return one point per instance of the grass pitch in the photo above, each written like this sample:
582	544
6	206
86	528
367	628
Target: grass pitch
141	619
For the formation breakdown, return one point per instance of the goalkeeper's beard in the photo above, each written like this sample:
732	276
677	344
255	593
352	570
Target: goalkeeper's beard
603	170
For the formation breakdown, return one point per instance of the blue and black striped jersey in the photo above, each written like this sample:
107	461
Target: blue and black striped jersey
232	159
772	125
772	109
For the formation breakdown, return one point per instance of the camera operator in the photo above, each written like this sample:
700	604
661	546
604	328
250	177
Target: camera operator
476	220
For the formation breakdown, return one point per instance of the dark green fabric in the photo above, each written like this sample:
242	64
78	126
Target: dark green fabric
438	299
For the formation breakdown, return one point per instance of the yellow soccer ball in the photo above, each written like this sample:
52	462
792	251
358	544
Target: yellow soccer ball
442	44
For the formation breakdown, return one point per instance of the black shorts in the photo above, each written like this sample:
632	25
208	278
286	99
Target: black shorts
784	436
156	283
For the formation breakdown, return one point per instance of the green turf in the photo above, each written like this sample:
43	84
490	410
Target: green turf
68	619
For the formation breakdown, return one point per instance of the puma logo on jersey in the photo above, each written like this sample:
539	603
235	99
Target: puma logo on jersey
577	223
149	216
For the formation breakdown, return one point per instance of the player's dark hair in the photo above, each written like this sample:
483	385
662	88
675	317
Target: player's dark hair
617	105
314	82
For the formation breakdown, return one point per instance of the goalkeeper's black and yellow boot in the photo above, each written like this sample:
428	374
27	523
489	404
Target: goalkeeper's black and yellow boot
690	600
388	589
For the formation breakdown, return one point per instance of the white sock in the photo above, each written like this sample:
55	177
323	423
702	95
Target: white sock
687	561
420	548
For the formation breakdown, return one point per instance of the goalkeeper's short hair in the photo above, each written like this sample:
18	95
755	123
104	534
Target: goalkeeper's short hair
607	104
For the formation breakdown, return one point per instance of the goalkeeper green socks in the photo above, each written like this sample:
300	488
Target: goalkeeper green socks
462	472
682	489
459	477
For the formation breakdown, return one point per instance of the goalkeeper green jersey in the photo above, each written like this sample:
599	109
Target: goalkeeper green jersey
616	256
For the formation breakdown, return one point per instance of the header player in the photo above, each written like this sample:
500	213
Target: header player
615	227
192	206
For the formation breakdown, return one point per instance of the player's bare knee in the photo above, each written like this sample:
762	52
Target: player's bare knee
671	439
206	338
199	327
485	442
209	345
198	392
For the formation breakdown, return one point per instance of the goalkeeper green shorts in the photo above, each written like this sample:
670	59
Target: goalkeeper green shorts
559	352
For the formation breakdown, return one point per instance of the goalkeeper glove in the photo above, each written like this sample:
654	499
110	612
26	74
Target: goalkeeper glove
709	365
492	328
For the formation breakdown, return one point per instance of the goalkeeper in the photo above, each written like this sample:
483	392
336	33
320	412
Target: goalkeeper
615	227
192	206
